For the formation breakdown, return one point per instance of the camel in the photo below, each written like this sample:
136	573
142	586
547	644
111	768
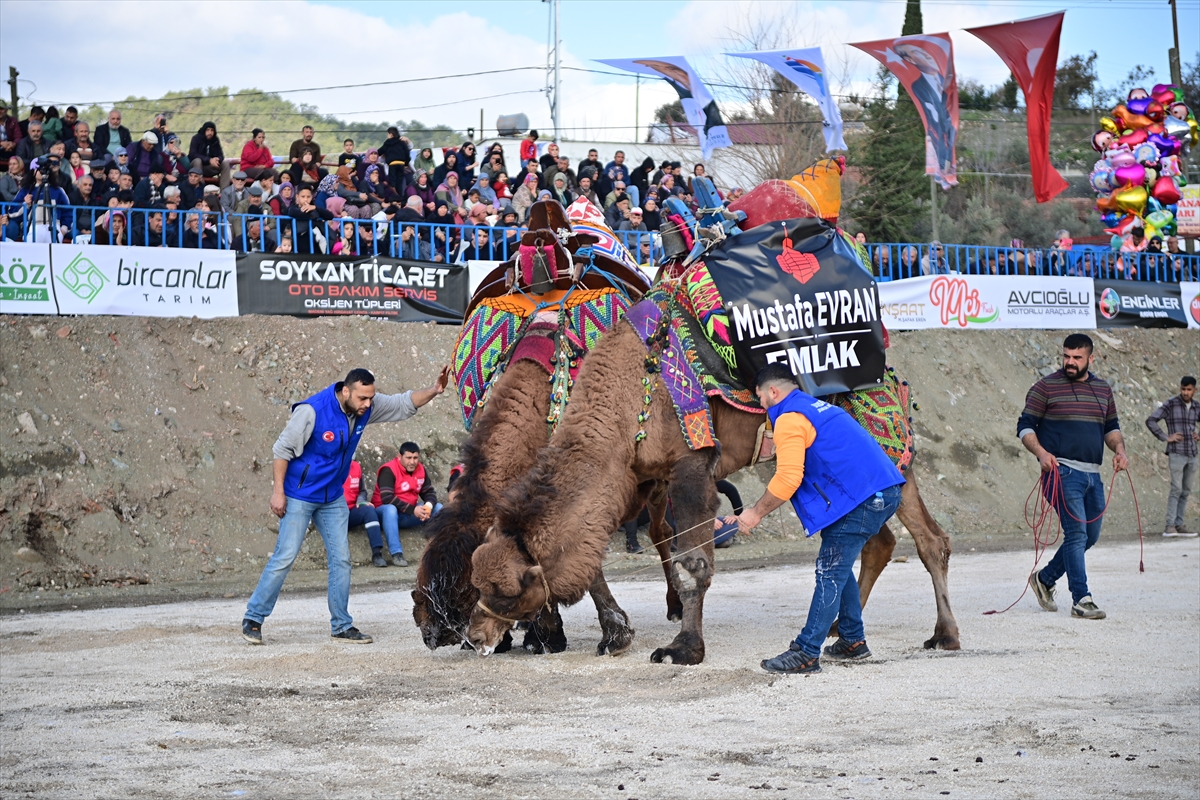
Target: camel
548	541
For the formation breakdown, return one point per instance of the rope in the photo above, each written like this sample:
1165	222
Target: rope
1048	499
673	556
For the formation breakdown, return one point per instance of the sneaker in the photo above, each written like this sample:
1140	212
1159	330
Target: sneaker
378	560
1043	593
841	650
398	560
1182	531
1086	609
1171	531
793	662
353	635
252	631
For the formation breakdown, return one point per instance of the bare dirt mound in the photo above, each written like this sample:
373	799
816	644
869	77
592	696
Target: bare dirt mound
135	455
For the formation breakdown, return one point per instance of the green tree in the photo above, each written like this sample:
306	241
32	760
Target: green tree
670	112
1075	81
1008	94
913	22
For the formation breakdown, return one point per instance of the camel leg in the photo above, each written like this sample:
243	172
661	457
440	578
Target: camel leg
661	536
614	622
876	554
545	634
933	546
694	501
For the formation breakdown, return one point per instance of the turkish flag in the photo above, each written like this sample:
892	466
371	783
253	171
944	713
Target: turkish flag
1030	49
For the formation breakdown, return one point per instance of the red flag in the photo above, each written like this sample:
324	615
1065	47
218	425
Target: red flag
1030	49
925	66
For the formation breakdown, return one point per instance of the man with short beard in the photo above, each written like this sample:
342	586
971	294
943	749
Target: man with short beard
113	136
1069	417
81	142
312	461
34	145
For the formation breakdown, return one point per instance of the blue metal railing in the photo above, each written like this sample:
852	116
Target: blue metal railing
450	243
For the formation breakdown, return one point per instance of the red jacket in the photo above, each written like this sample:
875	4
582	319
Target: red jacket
528	150
396	486
353	485
255	156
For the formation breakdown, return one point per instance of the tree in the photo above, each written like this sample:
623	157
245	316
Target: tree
972	95
1075	80
913	23
670	113
1008	94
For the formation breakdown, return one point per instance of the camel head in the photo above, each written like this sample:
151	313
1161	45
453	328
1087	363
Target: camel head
440	621
511	588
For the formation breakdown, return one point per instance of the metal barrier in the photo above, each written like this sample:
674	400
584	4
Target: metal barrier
450	243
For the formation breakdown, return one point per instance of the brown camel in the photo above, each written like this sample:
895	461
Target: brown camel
548	543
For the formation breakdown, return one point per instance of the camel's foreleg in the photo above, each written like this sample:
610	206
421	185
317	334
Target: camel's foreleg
661	536
614	622
933	546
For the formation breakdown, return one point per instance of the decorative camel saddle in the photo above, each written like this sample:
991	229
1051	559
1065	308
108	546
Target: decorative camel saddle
570	281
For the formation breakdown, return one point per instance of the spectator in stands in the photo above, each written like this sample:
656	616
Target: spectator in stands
10	182
150	191
113	230
933	261
585	190
192	189
423	189
370	158
81	142
495	163
528	151
633	223
122	160
75	168
639	180
562	166
255	203
616	170
1178	269
550	157
591	164
618	190
1132	245
525	196
476	247
404	497
112	178
1058	260
909	262
33	144
36	114
150	232
234	193
283	199
378	193
256	156
468	163
618	212
448	165
414	241
395	155
531	168
445	239
450	191
10	132
56	159
506	232
45	204
355	202
425	163
251	236
501	188
144	155
69	121
663	169
306	213
175	162
307	170
199	233
651	215
559	190
305	142
113	136
125	183
205	152
486	193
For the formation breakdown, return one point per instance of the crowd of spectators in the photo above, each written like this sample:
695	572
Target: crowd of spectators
106	186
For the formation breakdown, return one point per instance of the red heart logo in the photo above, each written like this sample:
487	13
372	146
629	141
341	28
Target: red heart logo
801	266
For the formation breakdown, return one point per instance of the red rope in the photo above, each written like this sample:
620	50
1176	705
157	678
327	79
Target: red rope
1040	521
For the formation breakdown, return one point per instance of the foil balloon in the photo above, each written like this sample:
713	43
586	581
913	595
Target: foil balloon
1120	156
1156	111
1107	204
1131	198
1132	175
1139	105
1109	124
1129	120
1146	153
1176	128
1166	192
1102	178
1102	140
1163	94
1160	219
1133	138
1110	219
1167	145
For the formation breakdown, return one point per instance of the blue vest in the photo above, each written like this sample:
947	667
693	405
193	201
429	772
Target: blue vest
843	467
317	474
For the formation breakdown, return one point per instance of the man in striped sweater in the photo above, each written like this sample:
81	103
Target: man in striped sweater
1069	417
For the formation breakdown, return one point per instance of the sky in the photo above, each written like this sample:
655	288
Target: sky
127	50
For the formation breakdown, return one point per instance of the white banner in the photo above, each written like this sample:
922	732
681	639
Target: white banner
1189	296
26	285
959	302
145	281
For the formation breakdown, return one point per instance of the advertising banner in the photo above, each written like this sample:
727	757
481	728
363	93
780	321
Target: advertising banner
959	302
313	285
26	283
1189	293
144	281
1139	304
795	293
1187	214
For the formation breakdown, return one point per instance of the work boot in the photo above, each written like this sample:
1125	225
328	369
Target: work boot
792	662
841	650
377	557
252	631
1043	593
398	560
1086	609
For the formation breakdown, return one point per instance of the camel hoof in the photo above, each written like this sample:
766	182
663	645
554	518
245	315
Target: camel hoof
677	656
674	616
505	644
540	644
943	643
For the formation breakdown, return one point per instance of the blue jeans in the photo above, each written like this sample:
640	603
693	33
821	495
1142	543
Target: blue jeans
330	519
367	517
392	521
1082	499
836	593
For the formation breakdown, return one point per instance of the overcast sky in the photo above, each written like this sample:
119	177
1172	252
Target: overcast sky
83	52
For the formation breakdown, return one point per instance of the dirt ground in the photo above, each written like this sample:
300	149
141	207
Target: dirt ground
167	701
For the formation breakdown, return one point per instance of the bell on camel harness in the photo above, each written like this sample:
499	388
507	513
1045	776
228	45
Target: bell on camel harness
655	344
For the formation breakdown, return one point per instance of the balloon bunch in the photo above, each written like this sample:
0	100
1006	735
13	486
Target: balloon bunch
1139	174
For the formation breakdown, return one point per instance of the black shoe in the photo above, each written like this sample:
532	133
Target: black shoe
793	662
353	635
398	560
377	558
841	650
252	631
633	547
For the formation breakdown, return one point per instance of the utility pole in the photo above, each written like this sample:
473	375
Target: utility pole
12	87
554	59
1173	55
558	63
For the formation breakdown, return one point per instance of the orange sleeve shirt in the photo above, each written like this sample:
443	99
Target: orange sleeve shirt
794	434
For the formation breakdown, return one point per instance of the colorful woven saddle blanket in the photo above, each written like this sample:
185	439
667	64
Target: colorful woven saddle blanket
883	411
495	335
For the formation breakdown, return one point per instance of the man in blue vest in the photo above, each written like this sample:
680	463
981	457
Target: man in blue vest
842	484
312	459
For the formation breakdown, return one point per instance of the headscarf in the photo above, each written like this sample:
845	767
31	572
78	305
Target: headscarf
329	184
286	196
478	214
343	179
370	169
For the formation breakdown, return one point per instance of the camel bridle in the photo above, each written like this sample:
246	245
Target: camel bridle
482	606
